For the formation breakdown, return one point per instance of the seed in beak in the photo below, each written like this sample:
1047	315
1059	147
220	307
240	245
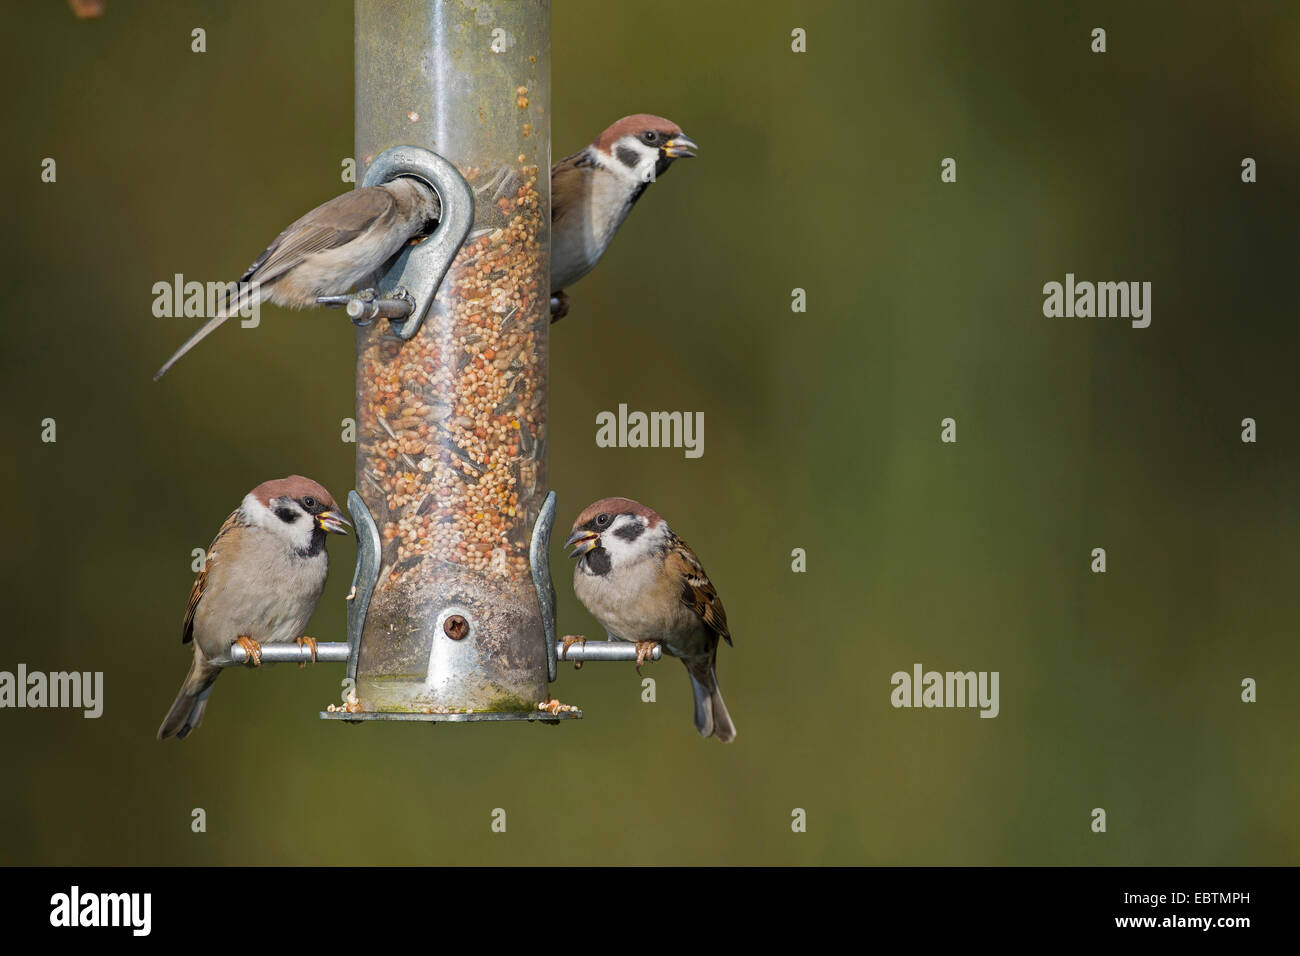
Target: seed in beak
332	522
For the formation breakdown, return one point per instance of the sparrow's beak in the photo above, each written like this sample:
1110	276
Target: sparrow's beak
333	522
680	146
582	541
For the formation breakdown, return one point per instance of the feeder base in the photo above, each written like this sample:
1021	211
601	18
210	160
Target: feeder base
538	716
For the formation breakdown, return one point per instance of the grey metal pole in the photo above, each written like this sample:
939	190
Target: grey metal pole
452	430
326	653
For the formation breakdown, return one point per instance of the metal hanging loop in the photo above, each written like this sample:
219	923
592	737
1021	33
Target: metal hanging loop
413	279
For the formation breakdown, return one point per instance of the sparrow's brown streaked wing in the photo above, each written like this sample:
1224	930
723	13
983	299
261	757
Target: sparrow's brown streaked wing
697	591
568	178
326	227
201	580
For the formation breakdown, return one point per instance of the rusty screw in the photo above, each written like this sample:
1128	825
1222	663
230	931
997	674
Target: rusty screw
455	627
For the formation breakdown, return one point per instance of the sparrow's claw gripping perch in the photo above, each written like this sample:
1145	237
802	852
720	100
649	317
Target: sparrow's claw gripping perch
569	641
559	305
643	650
252	649
307	642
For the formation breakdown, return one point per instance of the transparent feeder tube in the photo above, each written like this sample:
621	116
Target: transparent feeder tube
452	433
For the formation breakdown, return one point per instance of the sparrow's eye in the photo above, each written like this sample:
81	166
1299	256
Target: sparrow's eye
602	520
650	136
309	502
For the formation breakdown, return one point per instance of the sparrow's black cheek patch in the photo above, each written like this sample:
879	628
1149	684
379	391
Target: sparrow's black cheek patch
628	156
630	532
317	544
598	562
287	515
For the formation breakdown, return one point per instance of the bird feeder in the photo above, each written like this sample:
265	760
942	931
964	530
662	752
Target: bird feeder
451	406
451	615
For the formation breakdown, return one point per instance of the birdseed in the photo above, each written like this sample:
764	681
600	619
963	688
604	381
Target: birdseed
451	425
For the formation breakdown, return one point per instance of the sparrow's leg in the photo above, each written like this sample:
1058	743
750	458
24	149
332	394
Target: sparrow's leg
252	648
569	641
307	642
644	649
559	305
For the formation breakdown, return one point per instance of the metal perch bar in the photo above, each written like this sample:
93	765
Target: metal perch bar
366	305
337	653
367	310
603	651
332	653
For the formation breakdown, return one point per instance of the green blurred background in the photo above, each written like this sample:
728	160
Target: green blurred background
818	171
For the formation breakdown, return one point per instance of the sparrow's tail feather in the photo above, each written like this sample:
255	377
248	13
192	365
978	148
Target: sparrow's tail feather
191	702
711	717
723	728
247	297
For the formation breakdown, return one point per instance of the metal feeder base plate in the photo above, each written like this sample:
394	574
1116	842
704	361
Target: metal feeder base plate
541	716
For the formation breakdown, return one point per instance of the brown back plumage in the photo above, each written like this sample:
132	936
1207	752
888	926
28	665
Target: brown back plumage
698	592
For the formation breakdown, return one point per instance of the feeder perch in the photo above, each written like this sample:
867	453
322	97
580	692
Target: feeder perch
338	652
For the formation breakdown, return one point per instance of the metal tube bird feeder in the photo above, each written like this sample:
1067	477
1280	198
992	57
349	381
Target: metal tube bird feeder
451	615
451	399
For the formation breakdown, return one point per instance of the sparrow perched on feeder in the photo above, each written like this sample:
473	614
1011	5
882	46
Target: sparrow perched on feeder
330	250
645	585
261	582
593	190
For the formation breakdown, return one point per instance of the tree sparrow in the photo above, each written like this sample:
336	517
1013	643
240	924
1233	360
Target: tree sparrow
260	584
328	251
593	190
645	585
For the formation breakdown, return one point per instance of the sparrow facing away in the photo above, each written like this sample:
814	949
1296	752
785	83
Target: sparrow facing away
645	585
593	190
260	584
330	250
